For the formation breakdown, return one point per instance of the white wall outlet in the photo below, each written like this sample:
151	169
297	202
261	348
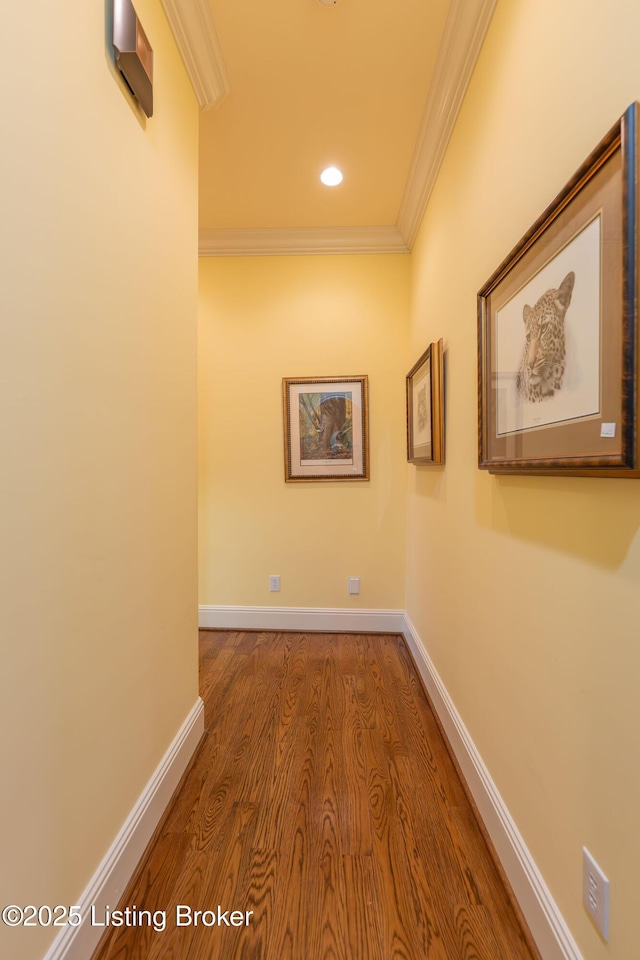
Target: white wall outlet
274	583
354	585
595	893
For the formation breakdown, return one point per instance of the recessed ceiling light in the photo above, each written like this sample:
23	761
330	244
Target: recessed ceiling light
331	177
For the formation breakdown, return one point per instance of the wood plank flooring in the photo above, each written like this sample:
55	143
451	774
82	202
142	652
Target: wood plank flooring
324	800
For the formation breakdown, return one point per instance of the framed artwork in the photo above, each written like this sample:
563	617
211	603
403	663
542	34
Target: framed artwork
326	428
557	329
425	407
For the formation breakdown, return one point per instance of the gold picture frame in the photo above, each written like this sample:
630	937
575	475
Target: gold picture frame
425	407
326	428
557	329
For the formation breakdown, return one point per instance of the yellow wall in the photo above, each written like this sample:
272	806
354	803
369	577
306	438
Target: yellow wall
542	657
98	395
262	319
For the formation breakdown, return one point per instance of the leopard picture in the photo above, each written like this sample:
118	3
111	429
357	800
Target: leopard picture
325	426
543	362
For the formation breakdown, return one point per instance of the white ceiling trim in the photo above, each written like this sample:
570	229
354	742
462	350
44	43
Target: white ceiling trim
195	34
467	25
465	30
270	242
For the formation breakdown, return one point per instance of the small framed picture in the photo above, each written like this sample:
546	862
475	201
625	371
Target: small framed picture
326	428
557	329
425	407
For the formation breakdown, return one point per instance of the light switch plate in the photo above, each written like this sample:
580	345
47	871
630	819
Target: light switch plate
595	893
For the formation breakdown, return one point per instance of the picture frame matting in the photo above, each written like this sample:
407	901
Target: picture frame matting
557	329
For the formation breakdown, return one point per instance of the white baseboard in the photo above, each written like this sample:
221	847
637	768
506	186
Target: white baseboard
112	876
548	928
301	618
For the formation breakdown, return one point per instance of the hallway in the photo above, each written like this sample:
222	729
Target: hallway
323	807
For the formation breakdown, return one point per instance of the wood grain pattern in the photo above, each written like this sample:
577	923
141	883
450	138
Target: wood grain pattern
323	798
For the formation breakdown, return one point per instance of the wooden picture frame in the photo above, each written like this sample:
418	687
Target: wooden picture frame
425	407
558	329
326	428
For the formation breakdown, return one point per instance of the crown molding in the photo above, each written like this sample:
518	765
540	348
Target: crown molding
195	34
300	241
466	27
465	30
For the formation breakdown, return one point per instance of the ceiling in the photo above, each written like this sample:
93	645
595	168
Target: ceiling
288	87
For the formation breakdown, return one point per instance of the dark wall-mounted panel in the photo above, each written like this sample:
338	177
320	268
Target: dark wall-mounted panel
134	56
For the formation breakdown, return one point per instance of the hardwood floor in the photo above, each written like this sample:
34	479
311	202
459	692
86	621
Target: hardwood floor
324	800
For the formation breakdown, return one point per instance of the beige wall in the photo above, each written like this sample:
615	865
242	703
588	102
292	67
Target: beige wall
98	478
542	657
262	319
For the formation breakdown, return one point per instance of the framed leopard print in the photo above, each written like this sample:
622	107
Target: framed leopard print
326	428
558	329
425	408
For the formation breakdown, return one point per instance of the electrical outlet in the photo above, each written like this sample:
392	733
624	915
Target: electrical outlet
274	583
354	585
595	893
